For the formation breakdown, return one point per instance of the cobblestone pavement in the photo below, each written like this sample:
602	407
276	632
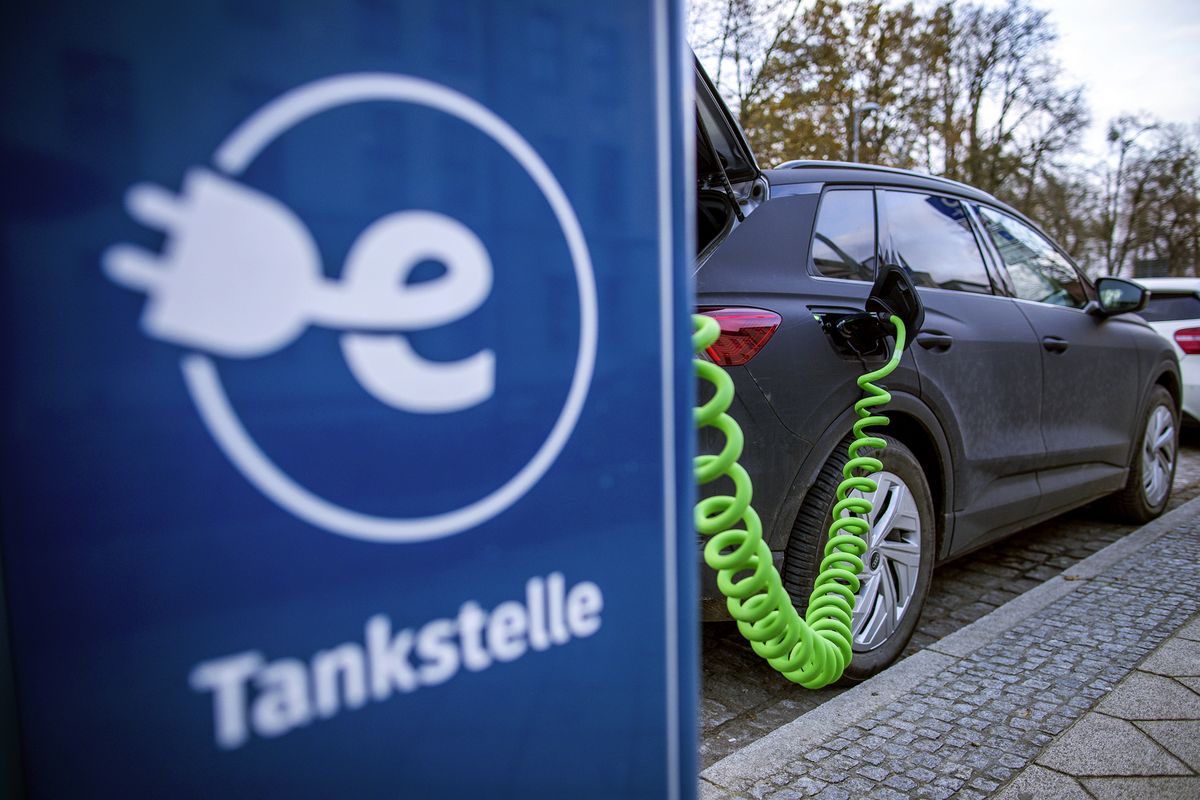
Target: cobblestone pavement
744	699
1142	740
990	708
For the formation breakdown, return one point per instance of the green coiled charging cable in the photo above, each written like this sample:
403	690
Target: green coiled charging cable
815	650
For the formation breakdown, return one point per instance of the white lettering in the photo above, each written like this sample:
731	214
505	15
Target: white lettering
506	631
535	602
389	658
269	699
584	604
435	645
554	608
282	703
348	661
226	679
471	620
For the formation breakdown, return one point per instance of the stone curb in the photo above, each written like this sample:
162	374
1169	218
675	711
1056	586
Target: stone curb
769	754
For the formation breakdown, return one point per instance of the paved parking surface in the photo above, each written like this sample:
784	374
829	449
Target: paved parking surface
743	699
1138	741
998	705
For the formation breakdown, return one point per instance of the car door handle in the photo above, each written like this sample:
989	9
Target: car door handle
935	341
1055	344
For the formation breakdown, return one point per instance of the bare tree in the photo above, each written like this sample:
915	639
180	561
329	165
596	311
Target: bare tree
738	40
1162	195
966	90
1008	111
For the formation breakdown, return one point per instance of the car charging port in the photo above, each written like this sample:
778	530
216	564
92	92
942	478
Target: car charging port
864	334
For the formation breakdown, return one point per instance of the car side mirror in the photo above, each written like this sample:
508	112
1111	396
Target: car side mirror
1119	296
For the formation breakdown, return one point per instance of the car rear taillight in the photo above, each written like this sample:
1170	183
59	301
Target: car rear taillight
1188	340
744	332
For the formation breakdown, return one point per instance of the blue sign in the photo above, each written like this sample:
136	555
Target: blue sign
347	426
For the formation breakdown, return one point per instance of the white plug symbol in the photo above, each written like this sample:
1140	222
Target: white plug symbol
235	271
240	276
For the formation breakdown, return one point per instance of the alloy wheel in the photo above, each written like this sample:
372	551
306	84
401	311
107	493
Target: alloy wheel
1158	455
890	563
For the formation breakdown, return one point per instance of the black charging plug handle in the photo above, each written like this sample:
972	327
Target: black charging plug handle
893	294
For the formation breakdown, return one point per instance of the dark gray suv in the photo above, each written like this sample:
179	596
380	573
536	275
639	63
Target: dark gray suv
1029	390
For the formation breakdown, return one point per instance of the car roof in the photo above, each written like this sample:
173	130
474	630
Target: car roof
853	172
1170	284
850	172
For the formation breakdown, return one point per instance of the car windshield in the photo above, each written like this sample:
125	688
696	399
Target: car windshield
1167	307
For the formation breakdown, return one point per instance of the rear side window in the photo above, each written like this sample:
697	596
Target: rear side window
932	237
1039	272
844	243
1168	307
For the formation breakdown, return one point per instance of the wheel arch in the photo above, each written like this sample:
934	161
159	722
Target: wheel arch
911	422
1169	379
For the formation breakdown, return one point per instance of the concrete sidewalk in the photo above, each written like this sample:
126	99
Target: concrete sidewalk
1140	741
1089	681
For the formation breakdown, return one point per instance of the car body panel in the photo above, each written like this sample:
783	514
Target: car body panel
987	392
991	376
1100	354
1008	432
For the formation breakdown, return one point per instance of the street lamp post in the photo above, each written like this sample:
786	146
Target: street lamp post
865	108
1115	136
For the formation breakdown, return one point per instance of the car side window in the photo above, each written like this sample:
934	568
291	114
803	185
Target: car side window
1038	271
932	237
844	242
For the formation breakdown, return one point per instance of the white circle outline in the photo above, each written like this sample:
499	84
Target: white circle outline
204	383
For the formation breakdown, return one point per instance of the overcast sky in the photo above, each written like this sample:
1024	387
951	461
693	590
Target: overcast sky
1133	55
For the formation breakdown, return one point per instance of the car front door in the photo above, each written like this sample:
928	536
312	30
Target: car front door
1091	385
978	360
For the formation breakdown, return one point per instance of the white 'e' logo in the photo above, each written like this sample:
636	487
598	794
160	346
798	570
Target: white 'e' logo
240	276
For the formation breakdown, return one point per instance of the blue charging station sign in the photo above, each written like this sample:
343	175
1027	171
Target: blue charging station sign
346	430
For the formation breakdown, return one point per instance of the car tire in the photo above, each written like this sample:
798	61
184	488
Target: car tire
892	569
1152	471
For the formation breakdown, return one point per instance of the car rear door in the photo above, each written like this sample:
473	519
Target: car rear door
978	359
1092	381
